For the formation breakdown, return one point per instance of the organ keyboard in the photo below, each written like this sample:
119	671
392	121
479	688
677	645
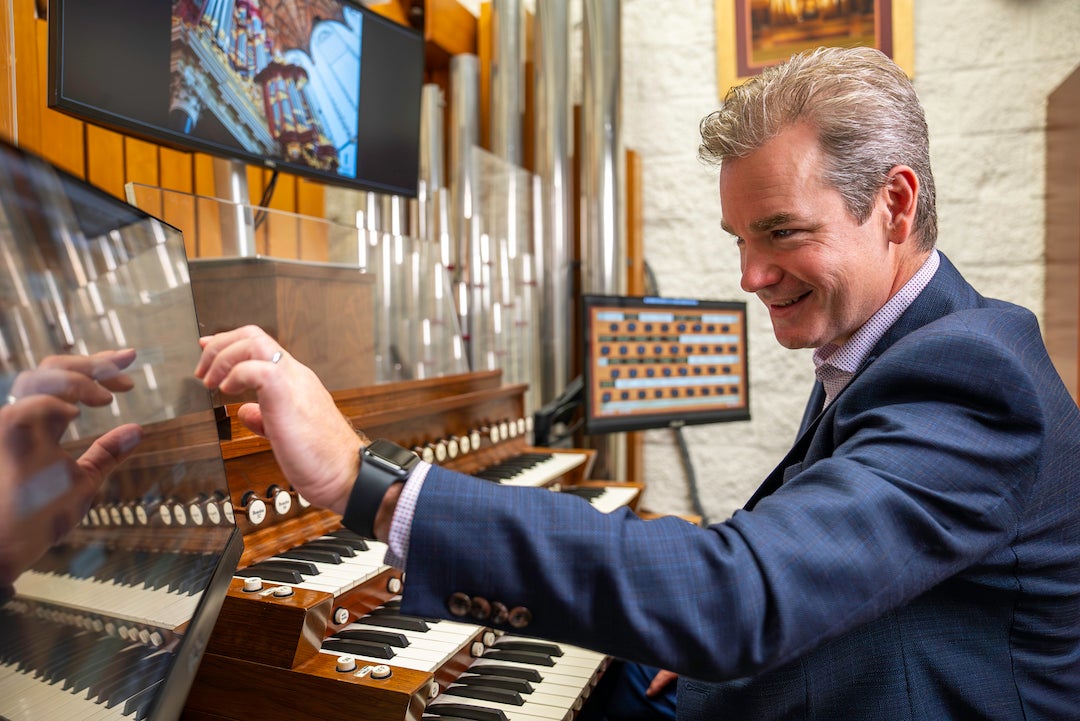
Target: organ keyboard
311	618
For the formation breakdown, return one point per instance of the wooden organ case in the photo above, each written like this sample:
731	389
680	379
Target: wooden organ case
273	646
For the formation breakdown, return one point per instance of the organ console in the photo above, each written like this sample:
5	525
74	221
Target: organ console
199	584
311	621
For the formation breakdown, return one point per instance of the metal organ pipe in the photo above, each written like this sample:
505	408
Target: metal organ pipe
507	101
603	231
432	180
462	258
603	162
553	199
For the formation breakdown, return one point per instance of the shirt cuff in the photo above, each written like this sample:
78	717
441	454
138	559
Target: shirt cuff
397	550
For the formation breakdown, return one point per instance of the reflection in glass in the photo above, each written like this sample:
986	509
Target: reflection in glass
101	619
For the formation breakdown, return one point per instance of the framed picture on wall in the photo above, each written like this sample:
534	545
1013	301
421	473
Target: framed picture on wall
754	34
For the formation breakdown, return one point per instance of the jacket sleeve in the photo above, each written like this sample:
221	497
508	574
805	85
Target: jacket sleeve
914	473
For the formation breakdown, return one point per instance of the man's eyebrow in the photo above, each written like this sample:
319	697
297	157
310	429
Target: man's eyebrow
762	225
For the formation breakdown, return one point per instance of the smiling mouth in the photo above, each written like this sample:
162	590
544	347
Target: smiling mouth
788	303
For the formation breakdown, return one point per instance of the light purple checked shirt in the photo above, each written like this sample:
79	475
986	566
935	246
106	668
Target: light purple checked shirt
834	366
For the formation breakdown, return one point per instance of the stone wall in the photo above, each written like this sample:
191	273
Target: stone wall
983	71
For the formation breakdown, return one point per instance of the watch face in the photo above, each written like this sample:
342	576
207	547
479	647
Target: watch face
390	455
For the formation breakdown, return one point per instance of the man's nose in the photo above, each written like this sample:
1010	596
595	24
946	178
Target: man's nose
759	269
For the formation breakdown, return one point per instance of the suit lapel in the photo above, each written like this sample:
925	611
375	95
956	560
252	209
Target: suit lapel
810	420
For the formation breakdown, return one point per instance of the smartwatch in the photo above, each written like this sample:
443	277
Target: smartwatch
382	464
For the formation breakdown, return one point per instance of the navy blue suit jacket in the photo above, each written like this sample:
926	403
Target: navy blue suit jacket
915	556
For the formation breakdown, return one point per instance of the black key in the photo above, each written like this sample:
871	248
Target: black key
393	608
549	649
328	544
586	492
139	704
514	684
405	623
495	669
360	648
353	539
305	567
320	555
369	634
536	659
487	693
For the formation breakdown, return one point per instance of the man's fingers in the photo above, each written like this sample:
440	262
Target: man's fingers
660	681
78	378
250	414
223	350
109	451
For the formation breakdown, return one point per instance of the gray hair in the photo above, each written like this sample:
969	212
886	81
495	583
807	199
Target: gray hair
867	115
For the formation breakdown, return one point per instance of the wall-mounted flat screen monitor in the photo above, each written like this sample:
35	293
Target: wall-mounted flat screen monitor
323	88
663	362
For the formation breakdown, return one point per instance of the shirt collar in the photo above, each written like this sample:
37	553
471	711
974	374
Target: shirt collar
835	365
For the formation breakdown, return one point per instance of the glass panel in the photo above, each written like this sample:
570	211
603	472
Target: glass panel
100	618
408	310
503	321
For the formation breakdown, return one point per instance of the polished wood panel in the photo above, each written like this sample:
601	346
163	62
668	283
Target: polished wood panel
320	312
258	627
1062	301
237	688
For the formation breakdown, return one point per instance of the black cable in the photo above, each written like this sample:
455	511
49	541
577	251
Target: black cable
268	193
651	288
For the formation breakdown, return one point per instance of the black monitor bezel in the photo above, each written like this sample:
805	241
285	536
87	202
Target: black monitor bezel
58	100
594	424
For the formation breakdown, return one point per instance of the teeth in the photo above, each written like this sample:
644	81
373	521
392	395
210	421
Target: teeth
786	303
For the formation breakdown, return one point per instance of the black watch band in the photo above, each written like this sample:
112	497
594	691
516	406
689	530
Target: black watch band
382	464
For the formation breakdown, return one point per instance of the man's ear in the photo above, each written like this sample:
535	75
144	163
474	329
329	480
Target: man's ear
901	200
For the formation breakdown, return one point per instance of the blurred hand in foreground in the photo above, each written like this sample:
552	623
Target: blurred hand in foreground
44	491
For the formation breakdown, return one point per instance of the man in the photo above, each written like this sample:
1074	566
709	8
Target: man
917	553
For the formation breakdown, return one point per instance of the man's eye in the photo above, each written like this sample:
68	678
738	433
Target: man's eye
783	232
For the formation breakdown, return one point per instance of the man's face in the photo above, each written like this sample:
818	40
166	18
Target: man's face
820	273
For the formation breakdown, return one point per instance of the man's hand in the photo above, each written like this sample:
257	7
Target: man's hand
315	445
660	682
44	492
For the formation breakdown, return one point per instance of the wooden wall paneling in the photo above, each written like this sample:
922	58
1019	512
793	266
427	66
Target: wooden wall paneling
310	198
256	178
314	237
207	239
485	52
396	10
31	92
177	170
141	166
62	136
449	29
141	161
528	127
178	207
7	73
105	162
279	229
